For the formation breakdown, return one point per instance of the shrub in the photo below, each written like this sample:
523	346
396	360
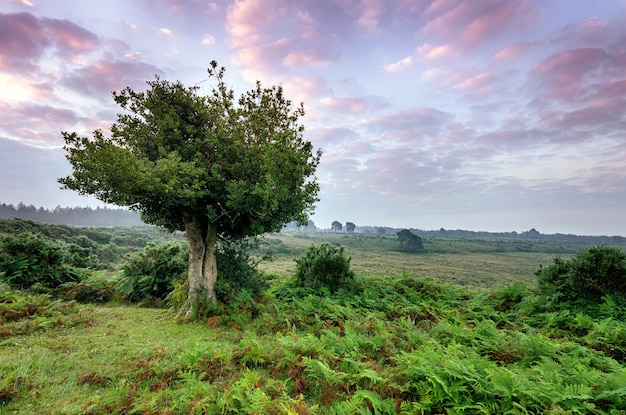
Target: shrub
28	261
325	266
237	271
150	273
97	288
409	242
585	279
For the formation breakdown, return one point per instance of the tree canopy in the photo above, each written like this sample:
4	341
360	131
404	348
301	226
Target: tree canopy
211	165
409	242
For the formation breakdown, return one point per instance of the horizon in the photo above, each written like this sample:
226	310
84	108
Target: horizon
324	228
446	114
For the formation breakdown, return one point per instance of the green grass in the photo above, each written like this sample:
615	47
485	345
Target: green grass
464	262
396	344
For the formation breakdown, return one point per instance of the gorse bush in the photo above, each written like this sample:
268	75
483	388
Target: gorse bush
325	266
586	279
30	261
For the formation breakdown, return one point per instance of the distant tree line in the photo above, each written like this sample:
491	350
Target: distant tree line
76	216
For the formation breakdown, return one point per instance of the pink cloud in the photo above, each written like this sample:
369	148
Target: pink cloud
399	66
42	128
289	36
472	23
22	41
566	75
24	38
410	123
353	105
433	53
71	40
479	81
514	51
589	32
101	78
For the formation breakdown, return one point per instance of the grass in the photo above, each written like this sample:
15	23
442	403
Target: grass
470	263
397	344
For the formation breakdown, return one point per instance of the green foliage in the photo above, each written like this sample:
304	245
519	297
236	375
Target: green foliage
98	287
409	242
325	266
31	261
207	165
584	280
23	313
151	273
237	270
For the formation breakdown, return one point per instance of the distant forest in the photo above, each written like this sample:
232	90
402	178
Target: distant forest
76	216
103	216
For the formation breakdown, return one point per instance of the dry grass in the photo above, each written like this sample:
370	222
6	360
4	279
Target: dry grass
467	263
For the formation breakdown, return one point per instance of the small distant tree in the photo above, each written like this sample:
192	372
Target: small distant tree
381	231
336	226
409	242
350	227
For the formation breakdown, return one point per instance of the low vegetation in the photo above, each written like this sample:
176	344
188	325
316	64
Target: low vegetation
356	343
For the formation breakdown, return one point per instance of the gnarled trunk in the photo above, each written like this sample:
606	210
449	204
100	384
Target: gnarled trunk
202	272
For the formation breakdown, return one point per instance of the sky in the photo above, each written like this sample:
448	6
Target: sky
485	115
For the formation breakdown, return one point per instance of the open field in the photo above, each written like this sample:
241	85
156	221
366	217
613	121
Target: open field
464	262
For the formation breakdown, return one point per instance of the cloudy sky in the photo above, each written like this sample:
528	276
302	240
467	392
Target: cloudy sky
496	115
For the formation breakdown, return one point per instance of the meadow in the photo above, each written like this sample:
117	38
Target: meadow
459	329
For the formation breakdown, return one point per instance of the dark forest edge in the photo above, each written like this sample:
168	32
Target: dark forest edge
106	217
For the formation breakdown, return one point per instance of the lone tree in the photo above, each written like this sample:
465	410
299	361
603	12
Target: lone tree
209	165
336	226
409	242
350	227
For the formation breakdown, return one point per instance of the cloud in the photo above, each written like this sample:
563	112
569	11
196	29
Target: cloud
478	81
471	23
399	66
514	51
418	120
99	79
164	32
208	40
564	74
260	49
24	38
354	105
434	53
43	127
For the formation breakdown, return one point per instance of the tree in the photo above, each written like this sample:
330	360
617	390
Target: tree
336	226
350	227
410	242
213	166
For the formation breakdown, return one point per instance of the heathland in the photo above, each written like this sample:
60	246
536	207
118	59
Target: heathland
463	327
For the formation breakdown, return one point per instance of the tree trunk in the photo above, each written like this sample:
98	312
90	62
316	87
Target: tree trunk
202	272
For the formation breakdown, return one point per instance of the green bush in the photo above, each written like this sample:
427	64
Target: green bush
29	261
150	274
325	266
98	288
585	279
237	271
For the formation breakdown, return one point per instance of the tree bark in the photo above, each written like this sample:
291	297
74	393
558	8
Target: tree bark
202	272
